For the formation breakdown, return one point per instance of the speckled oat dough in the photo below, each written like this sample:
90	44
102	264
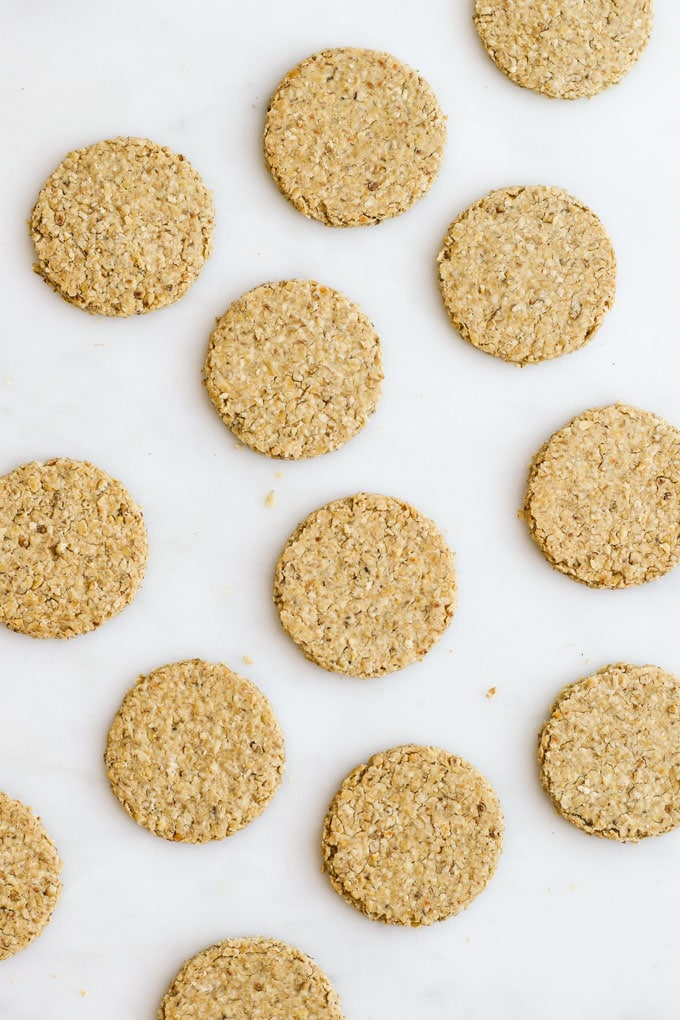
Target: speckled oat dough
29	877
603	497
242	979
566	49
365	585
122	227
412	836
609	754
353	137
527	273
195	752
73	548
294	369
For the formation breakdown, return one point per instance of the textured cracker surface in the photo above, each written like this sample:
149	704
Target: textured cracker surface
249	979
365	585
29	877
527	273
603	497
353	137
195	752
609	754
294	369
412	836
566	49
122	227
73	548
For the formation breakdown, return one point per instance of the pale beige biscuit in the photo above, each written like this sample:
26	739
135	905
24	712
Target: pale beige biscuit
603	497
29	877
244	979
195	752
122	227
73	548
566	49
527	273
353	137
294	369
609	754
412	836
365	585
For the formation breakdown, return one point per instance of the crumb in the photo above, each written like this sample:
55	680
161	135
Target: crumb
248	661
278	474
83	992
491	693
271	499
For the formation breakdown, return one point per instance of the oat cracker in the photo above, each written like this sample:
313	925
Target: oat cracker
412	836
242	979
73	548
353	137
294	369
603	497
566	49
122	227
527	274
195	752
29	877
365	585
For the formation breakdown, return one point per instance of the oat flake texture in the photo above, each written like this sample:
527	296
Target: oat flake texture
29	877
609	755
294	369
412	836
365	585
249	979
566	49
603	497
195	752
122	227
527	273
73	548
353	137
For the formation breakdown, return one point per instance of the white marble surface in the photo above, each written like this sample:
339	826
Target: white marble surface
570	925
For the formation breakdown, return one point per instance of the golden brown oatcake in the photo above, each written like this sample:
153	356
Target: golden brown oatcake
603	497
412	836
73	548
365	585
527	273
566	49
29	876
353	137
294	369
609	754
244	979
122	227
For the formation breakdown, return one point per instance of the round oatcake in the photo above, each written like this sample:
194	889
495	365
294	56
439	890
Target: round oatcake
527	274
567	49
29	871
122	227
353	137
195	752
73	548
412	836
609	754
603	497
294	369
247	978
365	585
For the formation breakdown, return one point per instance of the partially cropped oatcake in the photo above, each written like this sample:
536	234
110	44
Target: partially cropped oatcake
412	836
245	979
353	137
565	49
73	548
366	585
294	369
527	273
122	227
609	755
